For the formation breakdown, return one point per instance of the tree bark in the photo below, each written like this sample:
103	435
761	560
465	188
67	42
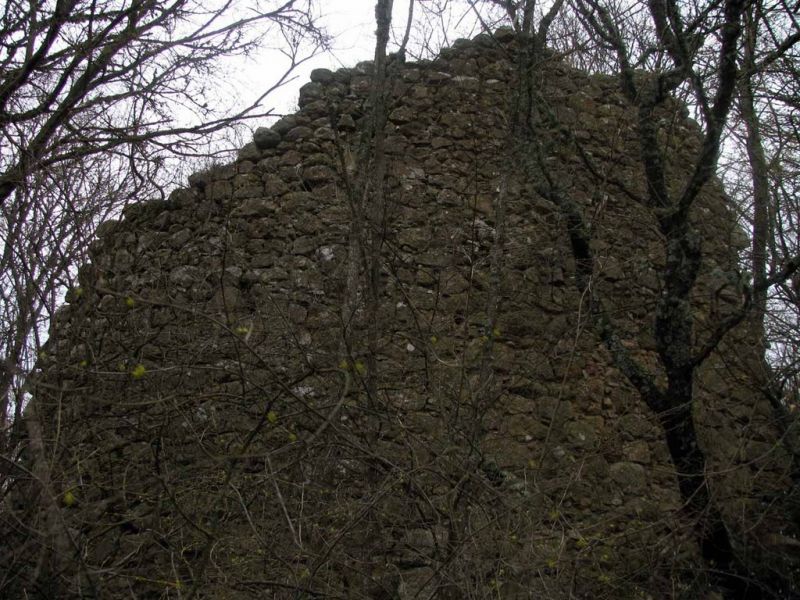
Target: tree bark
760	179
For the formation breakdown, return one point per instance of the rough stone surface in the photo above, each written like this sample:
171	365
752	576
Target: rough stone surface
266	138
229	405
322	75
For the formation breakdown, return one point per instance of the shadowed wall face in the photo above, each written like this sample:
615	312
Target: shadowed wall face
238	408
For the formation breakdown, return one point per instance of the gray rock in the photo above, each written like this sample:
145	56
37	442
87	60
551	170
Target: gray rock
638	452
186	276
310	91
199	180
123	260
403	114
581	434
631	477
365	67
633	426
180	238
274	186
505	34
304	245
343	75
181	197
322	75
262	261
249	152
551	409
255	207
283	125
298	133
467	82
219	190
106	228
324	133
318	174
437	76
251	191
420	538
266	138
346	123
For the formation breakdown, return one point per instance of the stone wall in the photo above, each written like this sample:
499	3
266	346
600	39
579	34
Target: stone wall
207	390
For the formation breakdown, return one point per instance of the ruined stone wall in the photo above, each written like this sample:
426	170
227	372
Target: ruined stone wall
206	390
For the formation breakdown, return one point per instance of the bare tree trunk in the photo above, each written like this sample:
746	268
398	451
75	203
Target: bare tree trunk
673	327
375	194
53	552
762	231
758	168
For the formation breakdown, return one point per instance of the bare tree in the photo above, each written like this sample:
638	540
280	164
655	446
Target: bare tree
764	126
677	64
671	46
692	56
94	99
97	99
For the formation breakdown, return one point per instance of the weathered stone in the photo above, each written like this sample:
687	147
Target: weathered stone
298	133
581	434
343	75
226	298
611	268
181	197
637	451
186	276
123	260
401	115
310	91
261	261
361	85
255	191
635	427
266	138
255	207
246	180
274	186
550	410
631	477
411	75
106	228
245	166
319	110
321	75
292	158
324	133
283	125
219	190
437	76
297	313
298	201
249	152
304	245
466	82
421	539
180	238
317	174
273	274
365	67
